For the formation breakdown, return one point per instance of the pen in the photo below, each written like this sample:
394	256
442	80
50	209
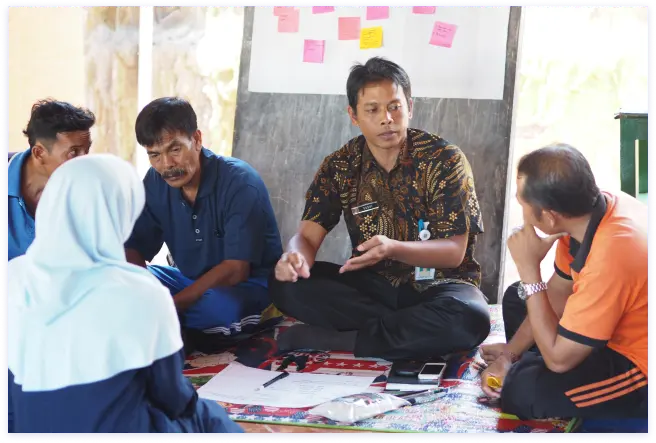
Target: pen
273	380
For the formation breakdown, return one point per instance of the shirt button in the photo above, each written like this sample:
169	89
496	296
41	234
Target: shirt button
197	231
194	217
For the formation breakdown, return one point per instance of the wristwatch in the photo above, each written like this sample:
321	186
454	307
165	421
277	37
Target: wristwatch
524	291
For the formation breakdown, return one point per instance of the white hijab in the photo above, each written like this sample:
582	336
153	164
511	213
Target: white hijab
77	311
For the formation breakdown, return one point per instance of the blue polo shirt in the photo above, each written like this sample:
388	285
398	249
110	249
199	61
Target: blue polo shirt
21	223
231	219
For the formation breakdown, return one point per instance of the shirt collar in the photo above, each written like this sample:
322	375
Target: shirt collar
207	176
368	160
580	251
14	172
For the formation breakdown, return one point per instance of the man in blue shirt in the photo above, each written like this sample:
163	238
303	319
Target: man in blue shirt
215	216
57	132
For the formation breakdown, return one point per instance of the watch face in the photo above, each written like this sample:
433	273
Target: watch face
521	292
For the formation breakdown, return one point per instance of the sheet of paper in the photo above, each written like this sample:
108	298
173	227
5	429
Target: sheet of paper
240	385
288	22
280	10
377	12
313	51
443	34
371	38
423	9
348	28
322	9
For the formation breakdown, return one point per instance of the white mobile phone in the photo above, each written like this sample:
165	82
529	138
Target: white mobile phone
432	371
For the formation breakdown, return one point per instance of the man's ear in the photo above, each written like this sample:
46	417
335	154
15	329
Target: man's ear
39	152
410	106
198	140
353	116
551	218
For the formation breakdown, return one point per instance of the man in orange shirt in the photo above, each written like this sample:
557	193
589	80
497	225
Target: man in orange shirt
589	323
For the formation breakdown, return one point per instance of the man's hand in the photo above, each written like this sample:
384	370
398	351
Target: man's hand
291	266
527	249
498	369
375	249
490	353
185	299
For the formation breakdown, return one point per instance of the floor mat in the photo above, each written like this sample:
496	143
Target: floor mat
457	410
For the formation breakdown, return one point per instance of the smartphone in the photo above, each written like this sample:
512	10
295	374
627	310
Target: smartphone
407	368
432	371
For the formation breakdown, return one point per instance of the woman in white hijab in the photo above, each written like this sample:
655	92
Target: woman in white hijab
94	342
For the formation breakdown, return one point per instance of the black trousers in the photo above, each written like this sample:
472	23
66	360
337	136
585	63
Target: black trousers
605	385
392	323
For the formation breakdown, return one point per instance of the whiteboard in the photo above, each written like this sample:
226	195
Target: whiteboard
473	68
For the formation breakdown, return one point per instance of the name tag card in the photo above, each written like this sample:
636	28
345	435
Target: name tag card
363	209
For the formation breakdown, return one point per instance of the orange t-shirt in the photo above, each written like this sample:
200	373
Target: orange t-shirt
609	270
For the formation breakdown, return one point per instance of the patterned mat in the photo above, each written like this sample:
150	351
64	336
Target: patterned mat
457	409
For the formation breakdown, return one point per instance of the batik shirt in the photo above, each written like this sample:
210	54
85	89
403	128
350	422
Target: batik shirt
431	181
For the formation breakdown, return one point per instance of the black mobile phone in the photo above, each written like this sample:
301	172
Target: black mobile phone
407	368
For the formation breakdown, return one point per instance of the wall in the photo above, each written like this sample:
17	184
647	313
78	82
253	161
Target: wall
46	59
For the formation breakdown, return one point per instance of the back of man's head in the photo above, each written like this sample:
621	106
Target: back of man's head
558	178
51	117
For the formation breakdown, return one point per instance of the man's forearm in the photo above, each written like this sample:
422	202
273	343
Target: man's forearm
226	273
440	253
542	318
298	243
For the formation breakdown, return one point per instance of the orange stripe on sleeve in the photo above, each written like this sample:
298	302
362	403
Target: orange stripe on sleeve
612	388
602	383
612	396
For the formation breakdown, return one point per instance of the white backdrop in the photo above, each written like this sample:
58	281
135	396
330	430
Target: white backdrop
473	68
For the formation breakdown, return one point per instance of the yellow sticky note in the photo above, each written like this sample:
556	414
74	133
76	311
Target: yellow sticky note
371	37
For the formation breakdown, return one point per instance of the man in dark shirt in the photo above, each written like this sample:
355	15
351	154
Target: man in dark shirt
411	288
216	218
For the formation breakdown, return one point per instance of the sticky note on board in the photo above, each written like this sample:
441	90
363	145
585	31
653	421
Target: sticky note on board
322	9
443	34
371	38
280	10
313	51
377	12
348	28
423	9
288	22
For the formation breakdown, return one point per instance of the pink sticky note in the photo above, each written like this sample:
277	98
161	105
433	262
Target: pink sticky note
288	22
423	9
322	9
443	34
313	51
348	28
377	12
280	10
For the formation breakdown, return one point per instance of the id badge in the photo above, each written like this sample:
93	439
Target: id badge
424	273
363	209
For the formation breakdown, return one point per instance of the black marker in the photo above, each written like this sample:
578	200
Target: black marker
273	380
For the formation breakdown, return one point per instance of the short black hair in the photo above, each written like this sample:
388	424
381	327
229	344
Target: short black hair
165	114
50	117
376	69
558	178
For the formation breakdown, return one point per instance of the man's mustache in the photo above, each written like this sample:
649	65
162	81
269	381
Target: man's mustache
172	173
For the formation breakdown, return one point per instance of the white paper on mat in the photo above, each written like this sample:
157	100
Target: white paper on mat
239	384
473	68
